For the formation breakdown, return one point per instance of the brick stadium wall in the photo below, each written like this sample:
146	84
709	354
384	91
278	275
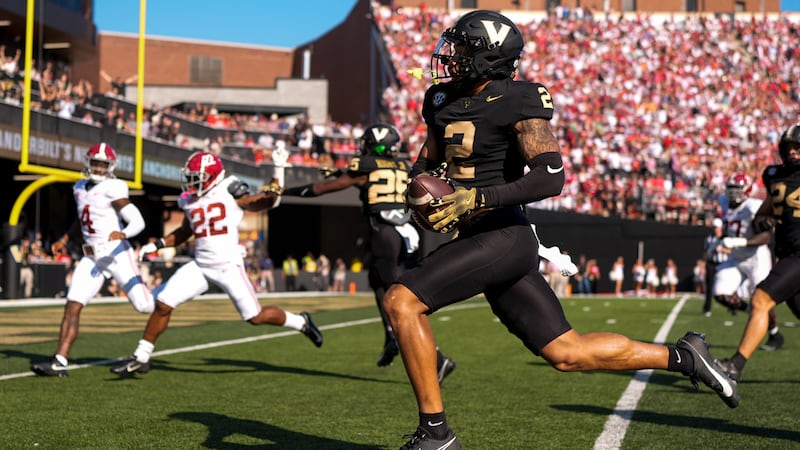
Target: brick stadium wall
168	61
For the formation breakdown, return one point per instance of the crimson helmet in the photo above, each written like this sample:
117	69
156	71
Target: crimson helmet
100	162
481	45
738	189
201	173
380	140
790	139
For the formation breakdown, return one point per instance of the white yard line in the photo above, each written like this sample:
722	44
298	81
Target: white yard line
617	424
262	337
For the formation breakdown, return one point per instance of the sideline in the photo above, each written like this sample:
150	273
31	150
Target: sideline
50	301
617	424
233	341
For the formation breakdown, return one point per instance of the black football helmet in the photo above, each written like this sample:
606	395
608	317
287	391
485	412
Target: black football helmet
481	45
790	139
380	140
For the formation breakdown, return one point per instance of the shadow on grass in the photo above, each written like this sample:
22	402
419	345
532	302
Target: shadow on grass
222	428
213	366
688	422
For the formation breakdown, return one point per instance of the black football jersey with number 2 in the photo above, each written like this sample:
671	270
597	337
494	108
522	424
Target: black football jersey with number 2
475	133
783	184
386	181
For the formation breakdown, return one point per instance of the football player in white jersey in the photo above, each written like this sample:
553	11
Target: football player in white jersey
749	259
103	205
214	206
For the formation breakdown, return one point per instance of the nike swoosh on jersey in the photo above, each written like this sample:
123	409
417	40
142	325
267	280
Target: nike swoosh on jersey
551	170
490	98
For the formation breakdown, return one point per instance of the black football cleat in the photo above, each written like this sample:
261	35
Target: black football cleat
706	369
420	440
774	342
390	350
129	366
447	367
51	368
310	330
730	369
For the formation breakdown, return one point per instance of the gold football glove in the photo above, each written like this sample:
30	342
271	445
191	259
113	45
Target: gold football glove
457	205
273	187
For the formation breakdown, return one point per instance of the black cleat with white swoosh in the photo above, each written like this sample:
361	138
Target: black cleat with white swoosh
310	330
51	368
130	366
707	370
421	440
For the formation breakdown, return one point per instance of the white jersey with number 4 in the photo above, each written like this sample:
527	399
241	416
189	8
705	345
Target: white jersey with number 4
103	258
215	219
97	216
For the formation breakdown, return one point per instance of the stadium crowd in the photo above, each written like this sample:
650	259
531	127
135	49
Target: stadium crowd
653	114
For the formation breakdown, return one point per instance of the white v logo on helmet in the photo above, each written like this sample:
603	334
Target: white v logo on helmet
380	133
494	35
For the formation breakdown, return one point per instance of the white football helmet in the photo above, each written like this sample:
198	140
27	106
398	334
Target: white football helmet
738	189
201	173
100	162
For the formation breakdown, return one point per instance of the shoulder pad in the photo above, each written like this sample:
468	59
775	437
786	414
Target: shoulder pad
238	188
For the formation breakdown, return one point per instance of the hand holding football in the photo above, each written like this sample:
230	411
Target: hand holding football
421	191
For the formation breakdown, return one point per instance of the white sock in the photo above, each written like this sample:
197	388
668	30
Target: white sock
773	331
62	360
294	321
143	351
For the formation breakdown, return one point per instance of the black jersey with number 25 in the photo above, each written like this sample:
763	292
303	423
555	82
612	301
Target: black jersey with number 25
783	184
386	182
476	132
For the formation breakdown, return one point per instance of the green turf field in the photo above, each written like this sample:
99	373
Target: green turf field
249	389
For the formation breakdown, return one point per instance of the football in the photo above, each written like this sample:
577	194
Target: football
421	191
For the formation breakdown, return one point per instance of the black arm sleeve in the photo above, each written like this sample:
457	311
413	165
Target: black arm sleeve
300	191
421	166
545	179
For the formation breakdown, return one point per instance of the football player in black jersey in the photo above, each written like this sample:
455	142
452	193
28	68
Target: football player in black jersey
487	127
381	180
779	211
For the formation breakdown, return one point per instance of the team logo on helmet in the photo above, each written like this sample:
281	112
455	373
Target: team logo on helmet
201	173
381	140
481	45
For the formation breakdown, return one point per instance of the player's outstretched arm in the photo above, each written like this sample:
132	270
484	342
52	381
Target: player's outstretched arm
339	183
